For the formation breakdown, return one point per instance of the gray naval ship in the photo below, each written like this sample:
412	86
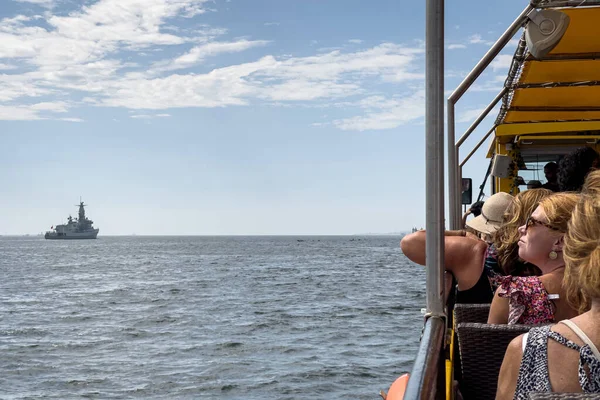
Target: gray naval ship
78	228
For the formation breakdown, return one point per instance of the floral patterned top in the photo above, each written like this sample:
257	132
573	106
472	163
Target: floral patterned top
528	300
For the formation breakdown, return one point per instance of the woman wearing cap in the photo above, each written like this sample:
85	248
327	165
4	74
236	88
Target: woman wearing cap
474	263
565	357
537	300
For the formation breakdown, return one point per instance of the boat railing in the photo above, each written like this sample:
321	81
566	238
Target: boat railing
427	379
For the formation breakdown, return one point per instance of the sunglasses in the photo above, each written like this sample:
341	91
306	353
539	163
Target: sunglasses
532	221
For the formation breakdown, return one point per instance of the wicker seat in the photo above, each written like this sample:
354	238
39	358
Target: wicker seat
482	349
564	396
471	313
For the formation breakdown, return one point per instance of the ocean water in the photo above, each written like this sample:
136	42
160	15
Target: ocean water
206	317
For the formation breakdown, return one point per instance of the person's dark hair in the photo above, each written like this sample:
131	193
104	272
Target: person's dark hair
574	167
476	208
551	166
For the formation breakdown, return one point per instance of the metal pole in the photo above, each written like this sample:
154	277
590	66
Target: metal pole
459	171
452	162
453	180
434	155
487	135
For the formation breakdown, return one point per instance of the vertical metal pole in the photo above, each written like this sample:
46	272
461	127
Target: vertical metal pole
452	162
434	154
427	378
460	175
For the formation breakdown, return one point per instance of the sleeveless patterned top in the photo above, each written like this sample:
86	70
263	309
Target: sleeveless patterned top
533	373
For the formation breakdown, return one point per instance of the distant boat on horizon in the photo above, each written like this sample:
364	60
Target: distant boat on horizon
78	228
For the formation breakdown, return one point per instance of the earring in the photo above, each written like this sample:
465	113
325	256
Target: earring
553	255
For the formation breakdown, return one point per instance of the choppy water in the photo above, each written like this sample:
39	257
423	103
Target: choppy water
206	317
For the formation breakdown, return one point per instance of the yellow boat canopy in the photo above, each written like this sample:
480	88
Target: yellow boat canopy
559	94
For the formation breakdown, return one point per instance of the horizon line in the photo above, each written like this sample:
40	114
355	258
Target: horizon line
224	235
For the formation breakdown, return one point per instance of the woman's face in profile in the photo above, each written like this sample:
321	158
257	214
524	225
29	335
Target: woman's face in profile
537	240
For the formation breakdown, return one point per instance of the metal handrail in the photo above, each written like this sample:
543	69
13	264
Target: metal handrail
482	141
427	376
453	170
481	117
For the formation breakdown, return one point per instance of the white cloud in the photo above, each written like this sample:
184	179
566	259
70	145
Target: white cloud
494	84
476	39
43	3
71	119
92	32
292	79
456	46
149	116
272	24
470	115
502	62
57	106
14	86
385	113
18	113
199	53
5	67
31	112
355	41
85	55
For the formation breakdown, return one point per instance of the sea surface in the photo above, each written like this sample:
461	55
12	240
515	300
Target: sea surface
332	317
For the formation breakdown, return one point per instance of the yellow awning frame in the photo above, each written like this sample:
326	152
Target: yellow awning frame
560	92
524	138
546	127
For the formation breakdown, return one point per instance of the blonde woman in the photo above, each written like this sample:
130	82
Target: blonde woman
570	361
537	300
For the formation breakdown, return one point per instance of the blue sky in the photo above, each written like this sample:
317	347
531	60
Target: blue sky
228	116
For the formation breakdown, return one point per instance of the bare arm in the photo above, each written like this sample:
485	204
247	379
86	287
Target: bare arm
509	372
498	310
463	256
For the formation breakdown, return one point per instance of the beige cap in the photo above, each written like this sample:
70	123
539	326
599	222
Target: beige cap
492	213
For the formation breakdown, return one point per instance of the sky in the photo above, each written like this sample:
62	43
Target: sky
230	117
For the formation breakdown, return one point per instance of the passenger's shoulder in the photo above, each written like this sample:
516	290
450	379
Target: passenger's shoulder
514	351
